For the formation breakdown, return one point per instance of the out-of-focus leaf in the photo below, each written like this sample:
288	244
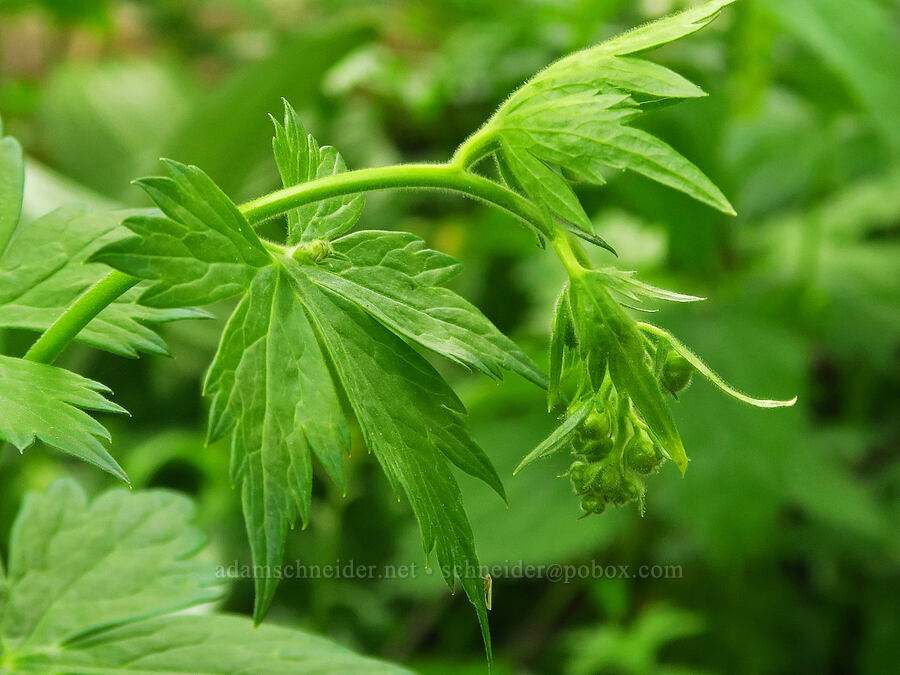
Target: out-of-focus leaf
222	133
93	587
105	124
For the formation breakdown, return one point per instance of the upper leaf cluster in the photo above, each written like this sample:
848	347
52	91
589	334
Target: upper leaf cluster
572	122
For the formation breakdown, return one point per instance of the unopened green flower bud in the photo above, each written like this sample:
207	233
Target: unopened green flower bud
617	488
312	252
642	455
584	476
596	424
596	450
592	504
676	373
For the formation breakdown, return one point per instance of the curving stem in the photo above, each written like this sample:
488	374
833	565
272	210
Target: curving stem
452	177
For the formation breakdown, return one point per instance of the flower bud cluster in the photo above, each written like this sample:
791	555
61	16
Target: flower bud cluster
610	458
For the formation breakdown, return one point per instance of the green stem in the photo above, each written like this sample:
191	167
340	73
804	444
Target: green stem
569	253
50	345
407	176
475	147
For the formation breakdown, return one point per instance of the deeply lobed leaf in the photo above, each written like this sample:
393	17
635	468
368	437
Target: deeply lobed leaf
271	389
393	277
315	319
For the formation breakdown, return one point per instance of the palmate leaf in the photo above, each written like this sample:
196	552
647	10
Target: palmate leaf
47	403
316	319
43	269
572	119
93	587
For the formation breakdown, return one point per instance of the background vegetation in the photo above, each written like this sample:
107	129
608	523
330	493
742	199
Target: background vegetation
785	528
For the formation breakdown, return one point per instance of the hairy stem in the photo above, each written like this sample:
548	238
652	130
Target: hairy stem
405	176
452	177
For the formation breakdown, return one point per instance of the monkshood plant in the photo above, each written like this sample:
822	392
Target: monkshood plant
328	319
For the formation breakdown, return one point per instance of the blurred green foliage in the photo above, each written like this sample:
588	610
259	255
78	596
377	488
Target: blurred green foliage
785	527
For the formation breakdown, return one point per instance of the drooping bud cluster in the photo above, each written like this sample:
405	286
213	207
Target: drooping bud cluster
611	453
609	378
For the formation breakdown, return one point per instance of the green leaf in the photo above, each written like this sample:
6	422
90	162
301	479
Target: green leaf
308	326
390	275
271	388
627	284
93	587
205	645
300	159
47	403
560	436
574	116
413	422
43	271
860	46
568	133
201	251
709	374
75	566
665	30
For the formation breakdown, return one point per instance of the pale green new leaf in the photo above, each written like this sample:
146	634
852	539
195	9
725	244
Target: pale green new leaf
271	389
93	587
665	30
300	159
389	274
543	185
47	403
561	329
413	423
200	251
574	115
627	284
709	374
